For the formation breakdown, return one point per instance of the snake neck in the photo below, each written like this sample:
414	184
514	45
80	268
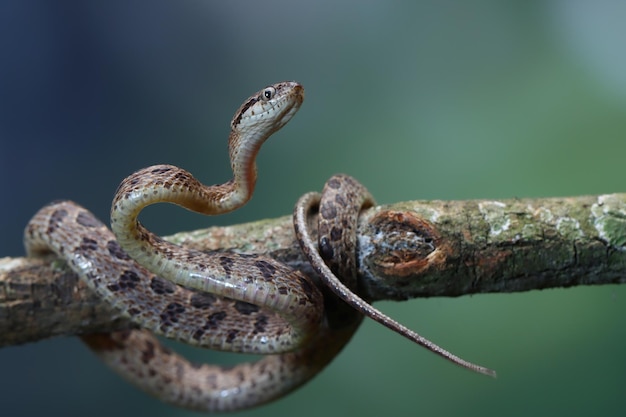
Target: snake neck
243	148
170	184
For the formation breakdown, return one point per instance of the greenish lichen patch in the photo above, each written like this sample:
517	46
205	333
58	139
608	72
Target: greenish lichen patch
429	213
608	215
544	214
494	213
530	232
569	228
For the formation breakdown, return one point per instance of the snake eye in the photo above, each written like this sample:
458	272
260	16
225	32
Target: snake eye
268	93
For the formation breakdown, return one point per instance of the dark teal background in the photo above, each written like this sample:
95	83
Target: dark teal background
418	100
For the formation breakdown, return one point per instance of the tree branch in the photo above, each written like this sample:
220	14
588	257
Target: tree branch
406	250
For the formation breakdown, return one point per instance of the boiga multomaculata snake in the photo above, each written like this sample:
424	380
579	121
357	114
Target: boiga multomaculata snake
219	300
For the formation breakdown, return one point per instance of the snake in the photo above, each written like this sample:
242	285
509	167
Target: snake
220	300
228	301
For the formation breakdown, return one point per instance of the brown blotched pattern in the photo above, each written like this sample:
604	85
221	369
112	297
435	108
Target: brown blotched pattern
333	257
151	301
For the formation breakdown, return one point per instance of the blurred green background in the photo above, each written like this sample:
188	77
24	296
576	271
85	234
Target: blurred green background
418	100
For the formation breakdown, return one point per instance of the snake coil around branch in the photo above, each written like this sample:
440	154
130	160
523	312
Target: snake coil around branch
219	300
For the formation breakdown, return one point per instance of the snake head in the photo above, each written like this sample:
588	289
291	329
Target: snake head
268	110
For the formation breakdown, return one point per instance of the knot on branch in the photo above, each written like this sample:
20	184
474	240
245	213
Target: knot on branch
402	247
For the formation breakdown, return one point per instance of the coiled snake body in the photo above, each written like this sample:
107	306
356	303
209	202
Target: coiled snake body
219	300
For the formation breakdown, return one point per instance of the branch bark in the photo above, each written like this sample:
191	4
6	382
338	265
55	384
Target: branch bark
406	250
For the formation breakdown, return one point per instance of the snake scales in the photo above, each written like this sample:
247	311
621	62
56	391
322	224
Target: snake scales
219	300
